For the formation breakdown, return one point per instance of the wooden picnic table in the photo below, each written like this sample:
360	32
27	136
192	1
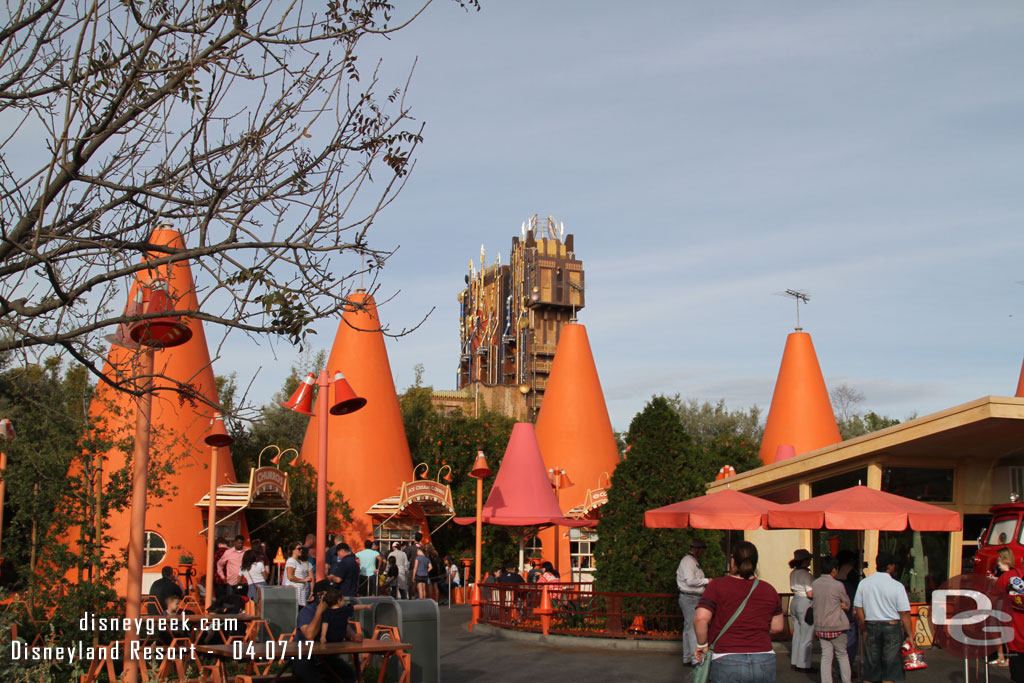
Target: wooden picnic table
360	653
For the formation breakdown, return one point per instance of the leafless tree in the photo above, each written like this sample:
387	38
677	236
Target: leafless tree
246	124
846	401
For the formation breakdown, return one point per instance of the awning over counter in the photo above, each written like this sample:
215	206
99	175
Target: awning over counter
417	500
594	499
267	489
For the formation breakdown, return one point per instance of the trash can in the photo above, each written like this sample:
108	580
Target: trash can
280	608
418	623
365	617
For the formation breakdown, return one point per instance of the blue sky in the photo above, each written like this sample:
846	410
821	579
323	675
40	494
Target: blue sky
706	155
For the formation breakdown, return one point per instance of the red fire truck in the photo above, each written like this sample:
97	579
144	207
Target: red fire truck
1004	531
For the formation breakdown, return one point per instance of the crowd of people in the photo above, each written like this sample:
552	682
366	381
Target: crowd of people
836	609
410	570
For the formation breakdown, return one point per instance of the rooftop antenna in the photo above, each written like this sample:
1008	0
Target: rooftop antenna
798	296
578	288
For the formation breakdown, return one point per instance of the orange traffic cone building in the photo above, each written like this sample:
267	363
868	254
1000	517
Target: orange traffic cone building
574	432
368	455
801	414
1020	383
173	522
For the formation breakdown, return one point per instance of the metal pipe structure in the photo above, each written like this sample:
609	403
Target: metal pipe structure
133	594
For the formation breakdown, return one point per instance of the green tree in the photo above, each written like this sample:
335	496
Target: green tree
729	437
663	466
62	488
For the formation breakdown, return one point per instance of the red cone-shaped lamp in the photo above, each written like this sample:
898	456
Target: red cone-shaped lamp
345	399
480	469
218	436
302	400
161	332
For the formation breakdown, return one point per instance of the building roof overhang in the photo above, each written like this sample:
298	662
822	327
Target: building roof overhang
988	428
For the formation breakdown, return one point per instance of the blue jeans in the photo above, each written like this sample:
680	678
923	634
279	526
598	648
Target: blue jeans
757	668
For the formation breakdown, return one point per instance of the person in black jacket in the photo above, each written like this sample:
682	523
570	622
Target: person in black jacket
166	586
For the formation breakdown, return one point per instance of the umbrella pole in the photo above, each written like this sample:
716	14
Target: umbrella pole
522	549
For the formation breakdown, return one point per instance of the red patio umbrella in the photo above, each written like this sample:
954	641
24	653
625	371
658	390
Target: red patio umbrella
860	508
726	509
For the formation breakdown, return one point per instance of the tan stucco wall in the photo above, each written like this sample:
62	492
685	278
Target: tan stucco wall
774	551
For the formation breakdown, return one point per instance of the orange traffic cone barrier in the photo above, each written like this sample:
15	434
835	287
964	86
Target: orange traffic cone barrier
637	626
545	611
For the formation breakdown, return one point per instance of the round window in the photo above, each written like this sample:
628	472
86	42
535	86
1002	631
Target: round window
154	549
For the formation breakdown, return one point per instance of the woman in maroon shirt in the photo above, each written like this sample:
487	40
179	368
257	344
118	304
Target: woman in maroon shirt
744	653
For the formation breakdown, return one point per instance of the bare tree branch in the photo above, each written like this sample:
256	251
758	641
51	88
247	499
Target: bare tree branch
245	124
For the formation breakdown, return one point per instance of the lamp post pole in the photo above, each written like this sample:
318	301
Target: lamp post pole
6	434
345	402
323	401
559	480
479	471
133	596
211	527
217	438
479	526
150	333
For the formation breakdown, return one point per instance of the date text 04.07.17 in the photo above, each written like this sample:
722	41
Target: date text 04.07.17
272	649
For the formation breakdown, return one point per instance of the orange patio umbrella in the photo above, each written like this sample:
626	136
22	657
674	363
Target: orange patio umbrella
861	508
726	509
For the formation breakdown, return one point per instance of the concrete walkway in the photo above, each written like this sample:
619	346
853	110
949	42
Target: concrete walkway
473	656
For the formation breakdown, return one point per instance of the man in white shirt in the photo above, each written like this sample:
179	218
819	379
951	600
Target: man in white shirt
691	582
883	614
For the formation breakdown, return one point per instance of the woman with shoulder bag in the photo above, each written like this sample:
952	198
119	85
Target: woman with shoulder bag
734	621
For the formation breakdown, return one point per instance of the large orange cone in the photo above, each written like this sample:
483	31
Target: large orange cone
801	414
179	428
368	455
573	430
1020	383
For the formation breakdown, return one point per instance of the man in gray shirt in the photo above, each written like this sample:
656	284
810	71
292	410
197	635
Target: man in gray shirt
830	622
691	582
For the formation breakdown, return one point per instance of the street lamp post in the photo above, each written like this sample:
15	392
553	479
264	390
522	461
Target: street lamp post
345	402
479	472
216	439
559	480
150	333
6	434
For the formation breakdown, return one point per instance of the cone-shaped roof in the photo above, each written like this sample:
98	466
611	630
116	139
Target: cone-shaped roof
178	427
522	493
1020	383
367	452
801	413
573	428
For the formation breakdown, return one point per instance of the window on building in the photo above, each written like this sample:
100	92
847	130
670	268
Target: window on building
533	549
154	549
923	558
394	531
581	553
840	482
919	483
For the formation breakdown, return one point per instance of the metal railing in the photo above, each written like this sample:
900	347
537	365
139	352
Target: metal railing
579	610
